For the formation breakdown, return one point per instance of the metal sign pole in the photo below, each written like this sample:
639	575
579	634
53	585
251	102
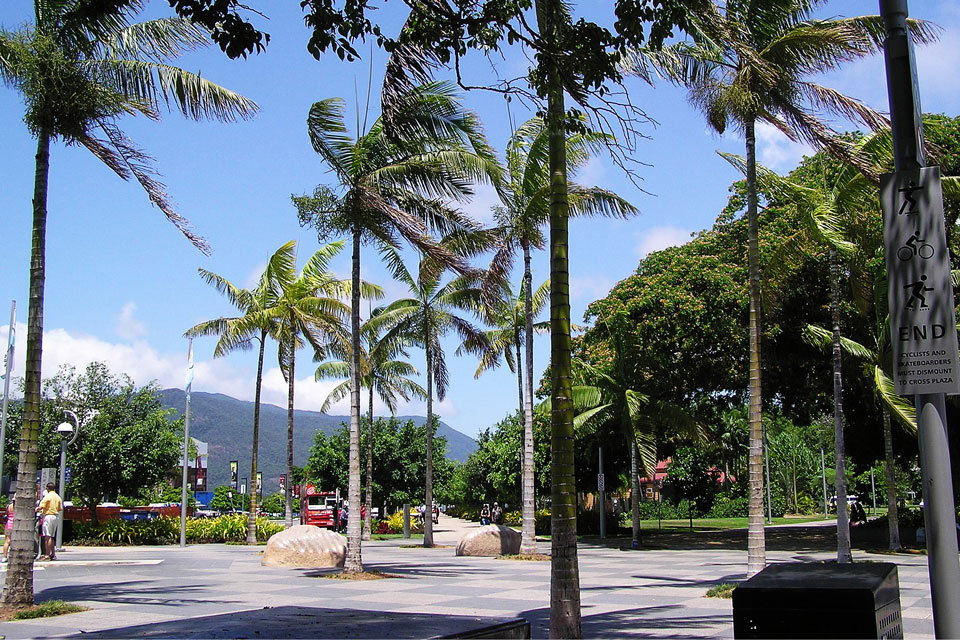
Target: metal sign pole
922	316
186	449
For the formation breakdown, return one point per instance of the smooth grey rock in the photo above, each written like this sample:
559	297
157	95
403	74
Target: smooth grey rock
491	540
305	545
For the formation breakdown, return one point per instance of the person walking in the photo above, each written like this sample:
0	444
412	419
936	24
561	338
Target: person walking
497	514
8	528
49	509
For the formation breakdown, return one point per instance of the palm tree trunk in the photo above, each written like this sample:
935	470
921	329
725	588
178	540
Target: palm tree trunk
893	521
18	587
287	490
565	618
354	561
528	539
756	544
368	498
520	371
843	520
634	496
255	448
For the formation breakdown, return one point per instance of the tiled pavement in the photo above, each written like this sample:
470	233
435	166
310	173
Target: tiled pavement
201	591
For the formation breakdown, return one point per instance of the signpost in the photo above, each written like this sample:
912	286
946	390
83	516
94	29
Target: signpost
923	329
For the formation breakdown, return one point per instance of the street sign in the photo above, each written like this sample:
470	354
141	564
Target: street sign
600	482
923	327
66	476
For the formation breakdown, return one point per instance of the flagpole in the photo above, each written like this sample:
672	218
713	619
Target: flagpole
186	449
11	336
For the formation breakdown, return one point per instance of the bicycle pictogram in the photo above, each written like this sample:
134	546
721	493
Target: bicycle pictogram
915	246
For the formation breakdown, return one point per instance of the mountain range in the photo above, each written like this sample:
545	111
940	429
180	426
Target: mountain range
226	424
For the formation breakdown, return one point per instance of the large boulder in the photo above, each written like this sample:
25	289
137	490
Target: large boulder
491	540
305	546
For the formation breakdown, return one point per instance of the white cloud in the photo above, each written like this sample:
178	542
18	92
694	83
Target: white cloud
776	150
127	326
589	287
657	238
144	364
253	278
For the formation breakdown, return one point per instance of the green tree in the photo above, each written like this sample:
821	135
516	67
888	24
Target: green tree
226	499
692	479
308	306
79	70
391	189
750	62
238	332
128	446
423	320
521	218
399	464
381	373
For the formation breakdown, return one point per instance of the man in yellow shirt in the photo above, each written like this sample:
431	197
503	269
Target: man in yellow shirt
49	508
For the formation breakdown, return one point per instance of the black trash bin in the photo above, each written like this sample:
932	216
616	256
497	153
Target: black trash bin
813	600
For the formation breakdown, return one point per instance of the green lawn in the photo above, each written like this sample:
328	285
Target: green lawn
716	524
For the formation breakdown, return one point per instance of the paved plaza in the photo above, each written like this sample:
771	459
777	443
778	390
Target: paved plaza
222	591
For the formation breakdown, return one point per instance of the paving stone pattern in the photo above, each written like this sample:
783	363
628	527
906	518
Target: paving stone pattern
221	591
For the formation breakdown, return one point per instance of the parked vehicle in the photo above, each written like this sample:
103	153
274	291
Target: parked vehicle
319	508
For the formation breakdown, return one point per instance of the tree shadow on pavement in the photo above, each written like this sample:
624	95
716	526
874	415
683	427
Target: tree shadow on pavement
145	592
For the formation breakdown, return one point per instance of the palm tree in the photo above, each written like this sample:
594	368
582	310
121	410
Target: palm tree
392	190
309	306
749	62
238	332
565	618
841	211
423	320
79	70
608	398
524	211
381	373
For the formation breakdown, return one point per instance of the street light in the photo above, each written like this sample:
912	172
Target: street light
65	429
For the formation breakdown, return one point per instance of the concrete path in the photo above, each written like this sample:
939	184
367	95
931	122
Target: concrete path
222	591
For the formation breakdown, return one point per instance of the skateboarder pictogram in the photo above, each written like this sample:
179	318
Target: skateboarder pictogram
909	205
918	292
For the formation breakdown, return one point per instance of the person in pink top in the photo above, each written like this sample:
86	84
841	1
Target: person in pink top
8	529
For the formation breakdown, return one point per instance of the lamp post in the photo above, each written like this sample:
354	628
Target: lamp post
65	429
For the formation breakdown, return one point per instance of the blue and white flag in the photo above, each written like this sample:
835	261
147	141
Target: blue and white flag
189	381
8	360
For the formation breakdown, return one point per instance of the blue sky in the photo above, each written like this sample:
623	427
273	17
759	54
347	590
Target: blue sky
122	283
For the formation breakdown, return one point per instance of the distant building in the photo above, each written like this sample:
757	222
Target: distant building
196	470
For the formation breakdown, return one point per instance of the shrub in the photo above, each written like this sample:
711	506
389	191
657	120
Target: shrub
542	522
164	530
395	523
514	518
806	505
725	507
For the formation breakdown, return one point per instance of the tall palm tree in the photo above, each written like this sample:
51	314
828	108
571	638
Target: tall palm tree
392	189
565	618
507	338
79	70
383	374
524	212
840	210
423	320
239	332
309	306
750	62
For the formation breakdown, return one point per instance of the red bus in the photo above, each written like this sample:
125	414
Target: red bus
319	508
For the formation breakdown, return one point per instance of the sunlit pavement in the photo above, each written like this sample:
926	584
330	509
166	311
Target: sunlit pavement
196	591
